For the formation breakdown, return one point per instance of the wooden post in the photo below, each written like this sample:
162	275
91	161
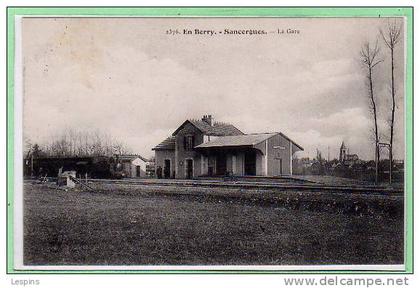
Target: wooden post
390	165
376	163
266	158
32	164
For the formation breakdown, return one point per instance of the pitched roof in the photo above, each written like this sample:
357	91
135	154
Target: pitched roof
238	140
131	157
217	129
242	140
167	144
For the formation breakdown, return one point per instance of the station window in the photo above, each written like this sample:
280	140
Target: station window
189	142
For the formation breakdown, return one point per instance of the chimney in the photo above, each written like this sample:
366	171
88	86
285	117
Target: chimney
208	119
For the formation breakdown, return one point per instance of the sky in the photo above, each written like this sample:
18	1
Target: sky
130	79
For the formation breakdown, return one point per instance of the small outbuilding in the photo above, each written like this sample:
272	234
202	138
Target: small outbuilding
133	165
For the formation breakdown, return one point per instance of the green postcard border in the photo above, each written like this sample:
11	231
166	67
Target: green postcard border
353	11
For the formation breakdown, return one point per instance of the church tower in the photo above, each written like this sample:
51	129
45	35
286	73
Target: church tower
343	152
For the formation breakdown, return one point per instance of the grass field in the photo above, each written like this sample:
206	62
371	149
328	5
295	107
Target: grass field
140	225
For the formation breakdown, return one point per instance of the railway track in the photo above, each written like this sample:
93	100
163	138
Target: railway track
257	185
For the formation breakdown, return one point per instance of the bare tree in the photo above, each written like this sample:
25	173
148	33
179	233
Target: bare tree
370	59
71	143
391	38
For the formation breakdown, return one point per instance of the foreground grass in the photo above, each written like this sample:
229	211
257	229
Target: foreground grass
139	226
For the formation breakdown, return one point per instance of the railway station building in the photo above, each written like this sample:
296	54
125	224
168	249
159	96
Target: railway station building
207	148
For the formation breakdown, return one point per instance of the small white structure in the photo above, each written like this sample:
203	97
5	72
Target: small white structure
133	166
65	178
138	168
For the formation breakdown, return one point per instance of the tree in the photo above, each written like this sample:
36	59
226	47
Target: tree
370	59
73	143
36	150
391	38
33	151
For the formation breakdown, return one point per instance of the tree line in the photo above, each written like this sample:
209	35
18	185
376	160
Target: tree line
72	143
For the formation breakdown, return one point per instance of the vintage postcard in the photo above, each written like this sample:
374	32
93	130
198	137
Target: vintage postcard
225	143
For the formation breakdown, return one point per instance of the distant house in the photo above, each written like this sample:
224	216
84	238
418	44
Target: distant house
306	162
398	165
206	148
133	165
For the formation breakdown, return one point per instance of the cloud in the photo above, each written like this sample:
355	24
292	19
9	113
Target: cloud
350	121
349	125
126	77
